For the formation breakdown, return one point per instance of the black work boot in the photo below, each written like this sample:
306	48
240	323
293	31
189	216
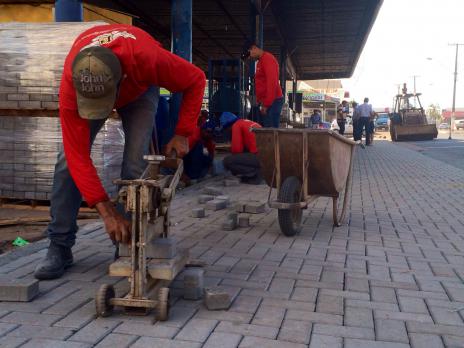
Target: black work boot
57	260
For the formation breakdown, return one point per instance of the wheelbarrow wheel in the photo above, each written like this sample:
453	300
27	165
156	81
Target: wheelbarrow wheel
162	312
102	301
290	219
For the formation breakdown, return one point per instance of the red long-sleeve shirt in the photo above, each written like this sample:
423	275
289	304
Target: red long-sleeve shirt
243	138
144	63
196	137
267	80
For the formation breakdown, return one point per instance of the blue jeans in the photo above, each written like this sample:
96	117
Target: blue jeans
272	117
137	121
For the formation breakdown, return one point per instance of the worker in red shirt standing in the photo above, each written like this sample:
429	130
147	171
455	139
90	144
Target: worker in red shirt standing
111	67
243	162
267	85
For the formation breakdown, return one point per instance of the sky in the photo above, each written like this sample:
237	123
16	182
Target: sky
412	37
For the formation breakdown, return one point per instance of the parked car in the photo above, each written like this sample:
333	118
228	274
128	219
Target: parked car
348	126
443	126
459	124
382	122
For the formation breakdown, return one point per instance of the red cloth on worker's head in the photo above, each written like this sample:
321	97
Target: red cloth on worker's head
243	138
267	80
144	63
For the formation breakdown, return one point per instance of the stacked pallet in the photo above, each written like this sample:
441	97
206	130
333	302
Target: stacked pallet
31	62
29	147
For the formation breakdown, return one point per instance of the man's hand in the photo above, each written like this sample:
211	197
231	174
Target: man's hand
179	144
117	227
263	110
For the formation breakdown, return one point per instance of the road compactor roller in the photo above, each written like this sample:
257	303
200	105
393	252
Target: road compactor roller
408	120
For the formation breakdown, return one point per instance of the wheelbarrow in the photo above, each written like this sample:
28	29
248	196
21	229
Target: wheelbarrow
148	201
304	164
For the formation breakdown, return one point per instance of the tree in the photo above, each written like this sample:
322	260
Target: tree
434	113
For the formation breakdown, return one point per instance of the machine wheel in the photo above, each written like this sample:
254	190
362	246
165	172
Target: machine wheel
162	312
290	219
102	301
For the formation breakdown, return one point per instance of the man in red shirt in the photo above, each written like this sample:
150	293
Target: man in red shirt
267	85
111	67
243	161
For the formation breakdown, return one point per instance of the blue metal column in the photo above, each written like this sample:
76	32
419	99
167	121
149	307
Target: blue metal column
69	11
283	71
257	36
181	44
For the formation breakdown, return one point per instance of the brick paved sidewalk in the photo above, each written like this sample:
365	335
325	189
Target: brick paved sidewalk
391	278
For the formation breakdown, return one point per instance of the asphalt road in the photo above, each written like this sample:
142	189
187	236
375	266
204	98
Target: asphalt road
442	149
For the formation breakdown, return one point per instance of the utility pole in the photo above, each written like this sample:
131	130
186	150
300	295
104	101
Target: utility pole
453	110
414	77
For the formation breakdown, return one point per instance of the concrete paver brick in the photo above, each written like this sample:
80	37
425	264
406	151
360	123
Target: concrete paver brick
357	343
295	331
5	328
217	298
383	294
452	341
323	341
247	329
343	331
223	340
253	342
446	316
423	318
94	331
216	204
197	330
116	341
243	220
391	330
52	332
329	304
412	305
205	198
269	316
18	289
30	318
198	212
139	329
359	317
211	190
426	341
322	318
12	341
254	207
46	343
144	342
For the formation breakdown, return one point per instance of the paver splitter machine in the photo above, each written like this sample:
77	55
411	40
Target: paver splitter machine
148	201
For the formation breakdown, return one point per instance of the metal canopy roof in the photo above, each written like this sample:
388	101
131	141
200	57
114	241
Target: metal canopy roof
323	38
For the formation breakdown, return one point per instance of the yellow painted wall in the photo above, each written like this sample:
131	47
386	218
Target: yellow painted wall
44	13
26	13
94	13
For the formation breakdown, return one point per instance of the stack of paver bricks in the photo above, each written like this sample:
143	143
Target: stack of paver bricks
28	150
31	63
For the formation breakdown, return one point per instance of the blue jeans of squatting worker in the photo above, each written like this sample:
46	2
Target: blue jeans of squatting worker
272	117
137	121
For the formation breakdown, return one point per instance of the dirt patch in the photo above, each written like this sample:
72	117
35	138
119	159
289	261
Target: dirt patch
29	230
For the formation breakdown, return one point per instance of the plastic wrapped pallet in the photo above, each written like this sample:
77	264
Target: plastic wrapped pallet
29	147
31	62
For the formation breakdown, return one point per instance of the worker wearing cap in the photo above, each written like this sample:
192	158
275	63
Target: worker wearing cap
243	161
267	85
111	67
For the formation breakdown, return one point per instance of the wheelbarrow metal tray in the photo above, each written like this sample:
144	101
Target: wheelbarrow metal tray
329	156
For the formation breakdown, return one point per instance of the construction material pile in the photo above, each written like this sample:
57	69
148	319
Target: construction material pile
31	63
